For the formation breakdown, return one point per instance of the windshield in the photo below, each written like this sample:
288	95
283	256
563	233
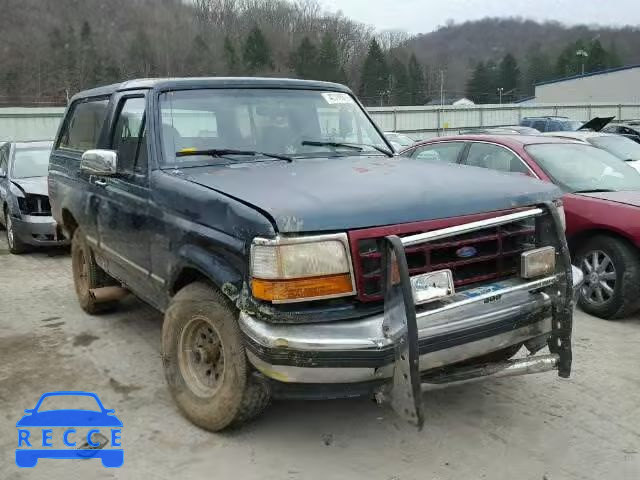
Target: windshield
30	162
276	121
580	167
621	147
69	402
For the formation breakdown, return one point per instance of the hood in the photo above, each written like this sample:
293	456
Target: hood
33	185
344	193
596	124
628	198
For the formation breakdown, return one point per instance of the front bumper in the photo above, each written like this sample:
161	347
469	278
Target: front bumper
39	231
409	347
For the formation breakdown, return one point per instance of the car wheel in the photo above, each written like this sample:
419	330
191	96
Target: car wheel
14	243
88	275
205	363
611	270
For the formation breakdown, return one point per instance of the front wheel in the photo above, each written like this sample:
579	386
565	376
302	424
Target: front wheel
205	362
15	245
611	270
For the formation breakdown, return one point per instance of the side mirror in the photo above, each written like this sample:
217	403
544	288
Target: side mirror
100	162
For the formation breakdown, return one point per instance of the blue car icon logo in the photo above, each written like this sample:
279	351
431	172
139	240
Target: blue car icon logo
36	437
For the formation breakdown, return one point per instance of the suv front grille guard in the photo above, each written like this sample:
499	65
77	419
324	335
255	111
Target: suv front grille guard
400	316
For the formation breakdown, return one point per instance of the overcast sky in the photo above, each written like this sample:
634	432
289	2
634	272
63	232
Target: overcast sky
422	16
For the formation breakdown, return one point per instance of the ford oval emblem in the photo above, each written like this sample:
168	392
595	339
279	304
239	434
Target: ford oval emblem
466	252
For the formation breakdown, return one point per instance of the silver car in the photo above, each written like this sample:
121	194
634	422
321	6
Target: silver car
24	199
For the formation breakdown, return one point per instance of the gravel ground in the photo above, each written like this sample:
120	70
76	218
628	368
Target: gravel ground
532	427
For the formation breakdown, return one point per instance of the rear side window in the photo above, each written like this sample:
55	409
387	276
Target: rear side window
83	126
540	125
440	152
489	156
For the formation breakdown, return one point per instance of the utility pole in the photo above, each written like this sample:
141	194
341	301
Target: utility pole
583	54
500	90
441	87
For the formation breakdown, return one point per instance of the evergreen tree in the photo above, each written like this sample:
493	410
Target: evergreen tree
374	84
569	63
415	72
539	69
199	57
508	77
89	65
598	58
400	89
304	60
480	84
329	68
614	60
256	52
230	56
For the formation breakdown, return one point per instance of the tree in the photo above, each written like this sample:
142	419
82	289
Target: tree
304	60
614	57
416	86
539	69
142	55
508	77
329	67
199	57
256	52
375	81
480	84
598	58
89	64
400	89
230	56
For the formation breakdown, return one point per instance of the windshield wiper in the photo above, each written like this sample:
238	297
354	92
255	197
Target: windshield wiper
595	190
221	152
352	146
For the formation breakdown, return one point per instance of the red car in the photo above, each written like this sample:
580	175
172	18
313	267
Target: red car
602	196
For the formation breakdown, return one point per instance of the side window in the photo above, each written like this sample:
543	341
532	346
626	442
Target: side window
83	126
495	158
129	136
554	126
439	152
526	122
4	159
539	125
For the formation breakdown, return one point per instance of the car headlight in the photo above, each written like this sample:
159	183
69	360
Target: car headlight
301	269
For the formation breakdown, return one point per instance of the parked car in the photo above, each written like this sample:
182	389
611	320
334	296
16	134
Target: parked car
26	213
617	145
630	130
265	233
564	124
399	140
601	200
506	130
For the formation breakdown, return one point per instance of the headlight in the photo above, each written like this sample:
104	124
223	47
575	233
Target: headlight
301	269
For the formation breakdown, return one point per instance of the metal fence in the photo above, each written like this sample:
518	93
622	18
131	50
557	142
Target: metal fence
426	122
41	123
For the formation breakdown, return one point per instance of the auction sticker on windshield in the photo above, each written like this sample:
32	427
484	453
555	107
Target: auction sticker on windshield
334	98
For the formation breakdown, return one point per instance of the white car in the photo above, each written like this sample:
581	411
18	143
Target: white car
618	145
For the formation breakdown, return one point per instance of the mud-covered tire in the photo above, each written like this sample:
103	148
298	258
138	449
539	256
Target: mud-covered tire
210	381
88	275
626	289
13	242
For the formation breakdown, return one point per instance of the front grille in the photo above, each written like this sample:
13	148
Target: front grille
35	205
473	258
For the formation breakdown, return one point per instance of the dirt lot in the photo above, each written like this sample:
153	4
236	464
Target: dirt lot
535	427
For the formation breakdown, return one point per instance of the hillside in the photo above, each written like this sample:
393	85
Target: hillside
457	48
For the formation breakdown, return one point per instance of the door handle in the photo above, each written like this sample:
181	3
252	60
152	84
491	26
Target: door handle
100	182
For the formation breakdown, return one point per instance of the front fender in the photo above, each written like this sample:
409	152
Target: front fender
211	265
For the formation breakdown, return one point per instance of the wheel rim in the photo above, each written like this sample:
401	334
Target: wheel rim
10	238
600	278
201	357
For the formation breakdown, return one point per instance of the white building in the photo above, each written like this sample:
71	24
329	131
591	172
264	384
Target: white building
618	85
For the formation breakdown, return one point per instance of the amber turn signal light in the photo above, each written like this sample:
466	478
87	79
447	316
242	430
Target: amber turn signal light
281	291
